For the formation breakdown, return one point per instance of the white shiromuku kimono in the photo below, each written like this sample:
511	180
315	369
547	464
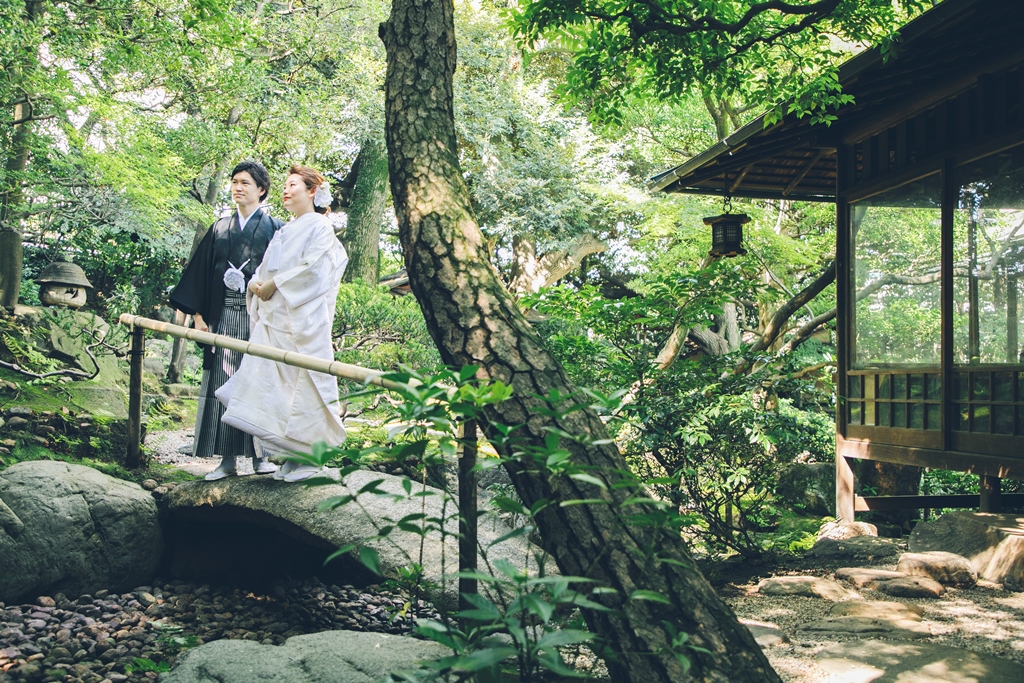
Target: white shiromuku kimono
290	408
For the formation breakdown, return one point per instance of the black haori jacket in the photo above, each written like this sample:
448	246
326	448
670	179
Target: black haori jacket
201	287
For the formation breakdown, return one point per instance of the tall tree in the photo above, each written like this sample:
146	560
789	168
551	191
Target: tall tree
16	153
366	212
473	320
711	48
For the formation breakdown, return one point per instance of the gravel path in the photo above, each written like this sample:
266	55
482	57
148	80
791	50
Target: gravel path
175	448
985	619
113	638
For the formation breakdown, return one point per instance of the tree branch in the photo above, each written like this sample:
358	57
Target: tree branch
777	324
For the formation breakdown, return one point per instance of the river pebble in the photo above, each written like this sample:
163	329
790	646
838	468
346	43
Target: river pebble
108	637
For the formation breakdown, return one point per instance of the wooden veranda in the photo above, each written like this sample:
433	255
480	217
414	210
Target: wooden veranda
934	140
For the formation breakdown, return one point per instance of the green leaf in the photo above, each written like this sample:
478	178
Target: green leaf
370	559
482	659
552	661
371	487
515	533
334	502
582	501
539	608
653	596
564	637
506	504
343	550
590	479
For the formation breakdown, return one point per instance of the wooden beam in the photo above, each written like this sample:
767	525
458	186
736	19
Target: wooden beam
927	96
802	174
866	503
746	155
957	461
740	177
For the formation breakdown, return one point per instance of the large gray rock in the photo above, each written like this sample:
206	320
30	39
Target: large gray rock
874	609
948	569
294	523
71	529
862	577
857	549
901	629
842	531
878	661
335	656
803	586
811	486
910	587
994	544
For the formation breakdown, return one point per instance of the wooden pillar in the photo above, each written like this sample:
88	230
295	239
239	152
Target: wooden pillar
1012	321
467	513
138	352
974	321
989	489
845	492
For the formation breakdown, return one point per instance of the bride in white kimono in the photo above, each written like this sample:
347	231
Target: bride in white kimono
291	305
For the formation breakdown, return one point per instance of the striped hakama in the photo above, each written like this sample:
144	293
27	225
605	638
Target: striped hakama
212	436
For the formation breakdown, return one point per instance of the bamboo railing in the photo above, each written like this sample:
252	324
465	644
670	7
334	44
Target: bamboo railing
139	324
467	459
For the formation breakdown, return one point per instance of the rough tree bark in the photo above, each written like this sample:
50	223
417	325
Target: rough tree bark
15	163
474	320
369	196
10	222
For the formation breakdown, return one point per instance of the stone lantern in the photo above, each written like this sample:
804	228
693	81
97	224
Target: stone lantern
63	284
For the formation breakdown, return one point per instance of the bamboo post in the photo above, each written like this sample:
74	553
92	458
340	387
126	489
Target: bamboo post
467	513
138	352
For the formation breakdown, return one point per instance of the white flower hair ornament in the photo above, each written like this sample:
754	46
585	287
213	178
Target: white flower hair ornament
323	196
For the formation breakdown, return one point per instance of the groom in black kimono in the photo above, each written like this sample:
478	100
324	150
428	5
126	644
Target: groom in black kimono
212	290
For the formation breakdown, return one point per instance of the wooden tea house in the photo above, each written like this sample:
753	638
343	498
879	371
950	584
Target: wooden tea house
929	157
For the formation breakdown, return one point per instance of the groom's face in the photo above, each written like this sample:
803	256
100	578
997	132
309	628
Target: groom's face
244	189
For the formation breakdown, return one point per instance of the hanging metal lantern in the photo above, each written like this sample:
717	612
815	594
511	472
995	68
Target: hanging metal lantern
727	234
63	284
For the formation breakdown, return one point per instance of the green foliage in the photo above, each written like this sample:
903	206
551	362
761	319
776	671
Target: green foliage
612	343
142	664
374	329
665	50
174	639
535	615
712	440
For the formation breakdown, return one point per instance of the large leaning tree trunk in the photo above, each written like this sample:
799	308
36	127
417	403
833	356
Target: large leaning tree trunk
365	213
473	320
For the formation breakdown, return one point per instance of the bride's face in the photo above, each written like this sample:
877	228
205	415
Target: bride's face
298	198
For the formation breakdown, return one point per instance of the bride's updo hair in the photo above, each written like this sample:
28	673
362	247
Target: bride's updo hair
313	180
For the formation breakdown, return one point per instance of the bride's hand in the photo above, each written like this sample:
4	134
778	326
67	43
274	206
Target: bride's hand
266	290
254	287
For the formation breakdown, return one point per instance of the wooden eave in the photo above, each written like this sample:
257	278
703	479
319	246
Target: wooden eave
940	54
